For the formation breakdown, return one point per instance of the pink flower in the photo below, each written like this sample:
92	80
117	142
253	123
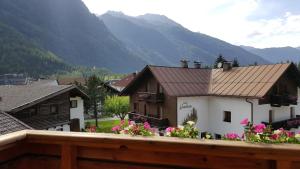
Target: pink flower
259	128
122	122
289	134
131	122
116	128
275	136
170	129
232	136
147	125
245	122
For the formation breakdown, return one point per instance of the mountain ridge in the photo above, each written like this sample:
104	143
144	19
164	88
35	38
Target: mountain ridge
181	41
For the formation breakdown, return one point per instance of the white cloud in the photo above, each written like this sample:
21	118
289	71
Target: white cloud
227	20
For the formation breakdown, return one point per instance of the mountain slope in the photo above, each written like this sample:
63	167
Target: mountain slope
276	55
162	41
19	55
69	30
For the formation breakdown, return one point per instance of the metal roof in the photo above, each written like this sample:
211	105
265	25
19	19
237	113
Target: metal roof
22	96
250	81
10	124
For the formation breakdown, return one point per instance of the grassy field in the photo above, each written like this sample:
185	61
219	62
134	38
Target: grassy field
105	126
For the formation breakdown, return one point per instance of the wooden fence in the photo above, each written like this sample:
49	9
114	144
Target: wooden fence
53	150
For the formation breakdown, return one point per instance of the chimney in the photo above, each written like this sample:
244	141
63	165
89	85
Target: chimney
184	63
227	66
197	65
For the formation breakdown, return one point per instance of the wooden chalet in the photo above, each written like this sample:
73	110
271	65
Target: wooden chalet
42	106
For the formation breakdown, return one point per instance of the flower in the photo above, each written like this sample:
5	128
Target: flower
116	128
180	127
232	136
170	129
190	123
297	136
275	136
245	122
147	125
259	128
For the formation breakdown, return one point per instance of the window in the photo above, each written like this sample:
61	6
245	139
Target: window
292	112
159	111
227	116
73	103
218	136
54	109
271	116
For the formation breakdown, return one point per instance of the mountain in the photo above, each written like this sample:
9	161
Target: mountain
161	41
276	55
19	55
70	31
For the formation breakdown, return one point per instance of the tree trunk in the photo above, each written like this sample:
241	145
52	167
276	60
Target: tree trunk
96	113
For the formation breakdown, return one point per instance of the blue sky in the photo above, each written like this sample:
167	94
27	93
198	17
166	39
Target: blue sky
258	23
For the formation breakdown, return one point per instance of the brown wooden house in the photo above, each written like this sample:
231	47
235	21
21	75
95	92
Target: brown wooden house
267	93
43	107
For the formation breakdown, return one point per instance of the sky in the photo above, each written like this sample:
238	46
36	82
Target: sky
257	23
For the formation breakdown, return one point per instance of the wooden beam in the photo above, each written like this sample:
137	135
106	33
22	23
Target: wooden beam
68	157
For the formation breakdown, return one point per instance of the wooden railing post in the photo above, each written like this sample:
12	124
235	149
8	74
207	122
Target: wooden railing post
283	164
68	157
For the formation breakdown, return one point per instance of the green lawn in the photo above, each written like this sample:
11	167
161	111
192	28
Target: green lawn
105	126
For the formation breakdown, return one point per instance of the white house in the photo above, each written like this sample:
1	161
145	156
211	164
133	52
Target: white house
221	98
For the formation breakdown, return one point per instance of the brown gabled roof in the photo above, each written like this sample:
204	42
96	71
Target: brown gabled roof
251	81
124	81
9	124
15	98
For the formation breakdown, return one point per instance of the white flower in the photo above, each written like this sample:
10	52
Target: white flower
122	132
180	127
190	123
297	136
168	133
277	131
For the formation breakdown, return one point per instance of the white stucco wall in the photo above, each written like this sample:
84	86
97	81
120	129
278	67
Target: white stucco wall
239	109
210	111
185	106
78	112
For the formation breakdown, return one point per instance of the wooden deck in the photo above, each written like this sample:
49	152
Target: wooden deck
69	150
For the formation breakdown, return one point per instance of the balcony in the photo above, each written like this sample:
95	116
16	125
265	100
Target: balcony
153	121
285	124
280	100
151	97
64	150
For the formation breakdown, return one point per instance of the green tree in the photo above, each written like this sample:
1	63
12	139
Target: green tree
117	106
96	93
235	63
220	59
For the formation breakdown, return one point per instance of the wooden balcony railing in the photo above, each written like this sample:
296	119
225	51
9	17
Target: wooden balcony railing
67	150
283	100
285	124
151	97
154	122
53	150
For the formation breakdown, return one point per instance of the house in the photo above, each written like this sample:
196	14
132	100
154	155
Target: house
43	106
83	81
120	84
221	97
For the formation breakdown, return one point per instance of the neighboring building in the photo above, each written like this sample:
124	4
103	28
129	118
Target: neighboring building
82	81
120	84
9	124
220	97
44	107
14	79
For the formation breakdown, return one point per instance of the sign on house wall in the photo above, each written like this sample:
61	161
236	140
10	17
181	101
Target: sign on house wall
185	105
